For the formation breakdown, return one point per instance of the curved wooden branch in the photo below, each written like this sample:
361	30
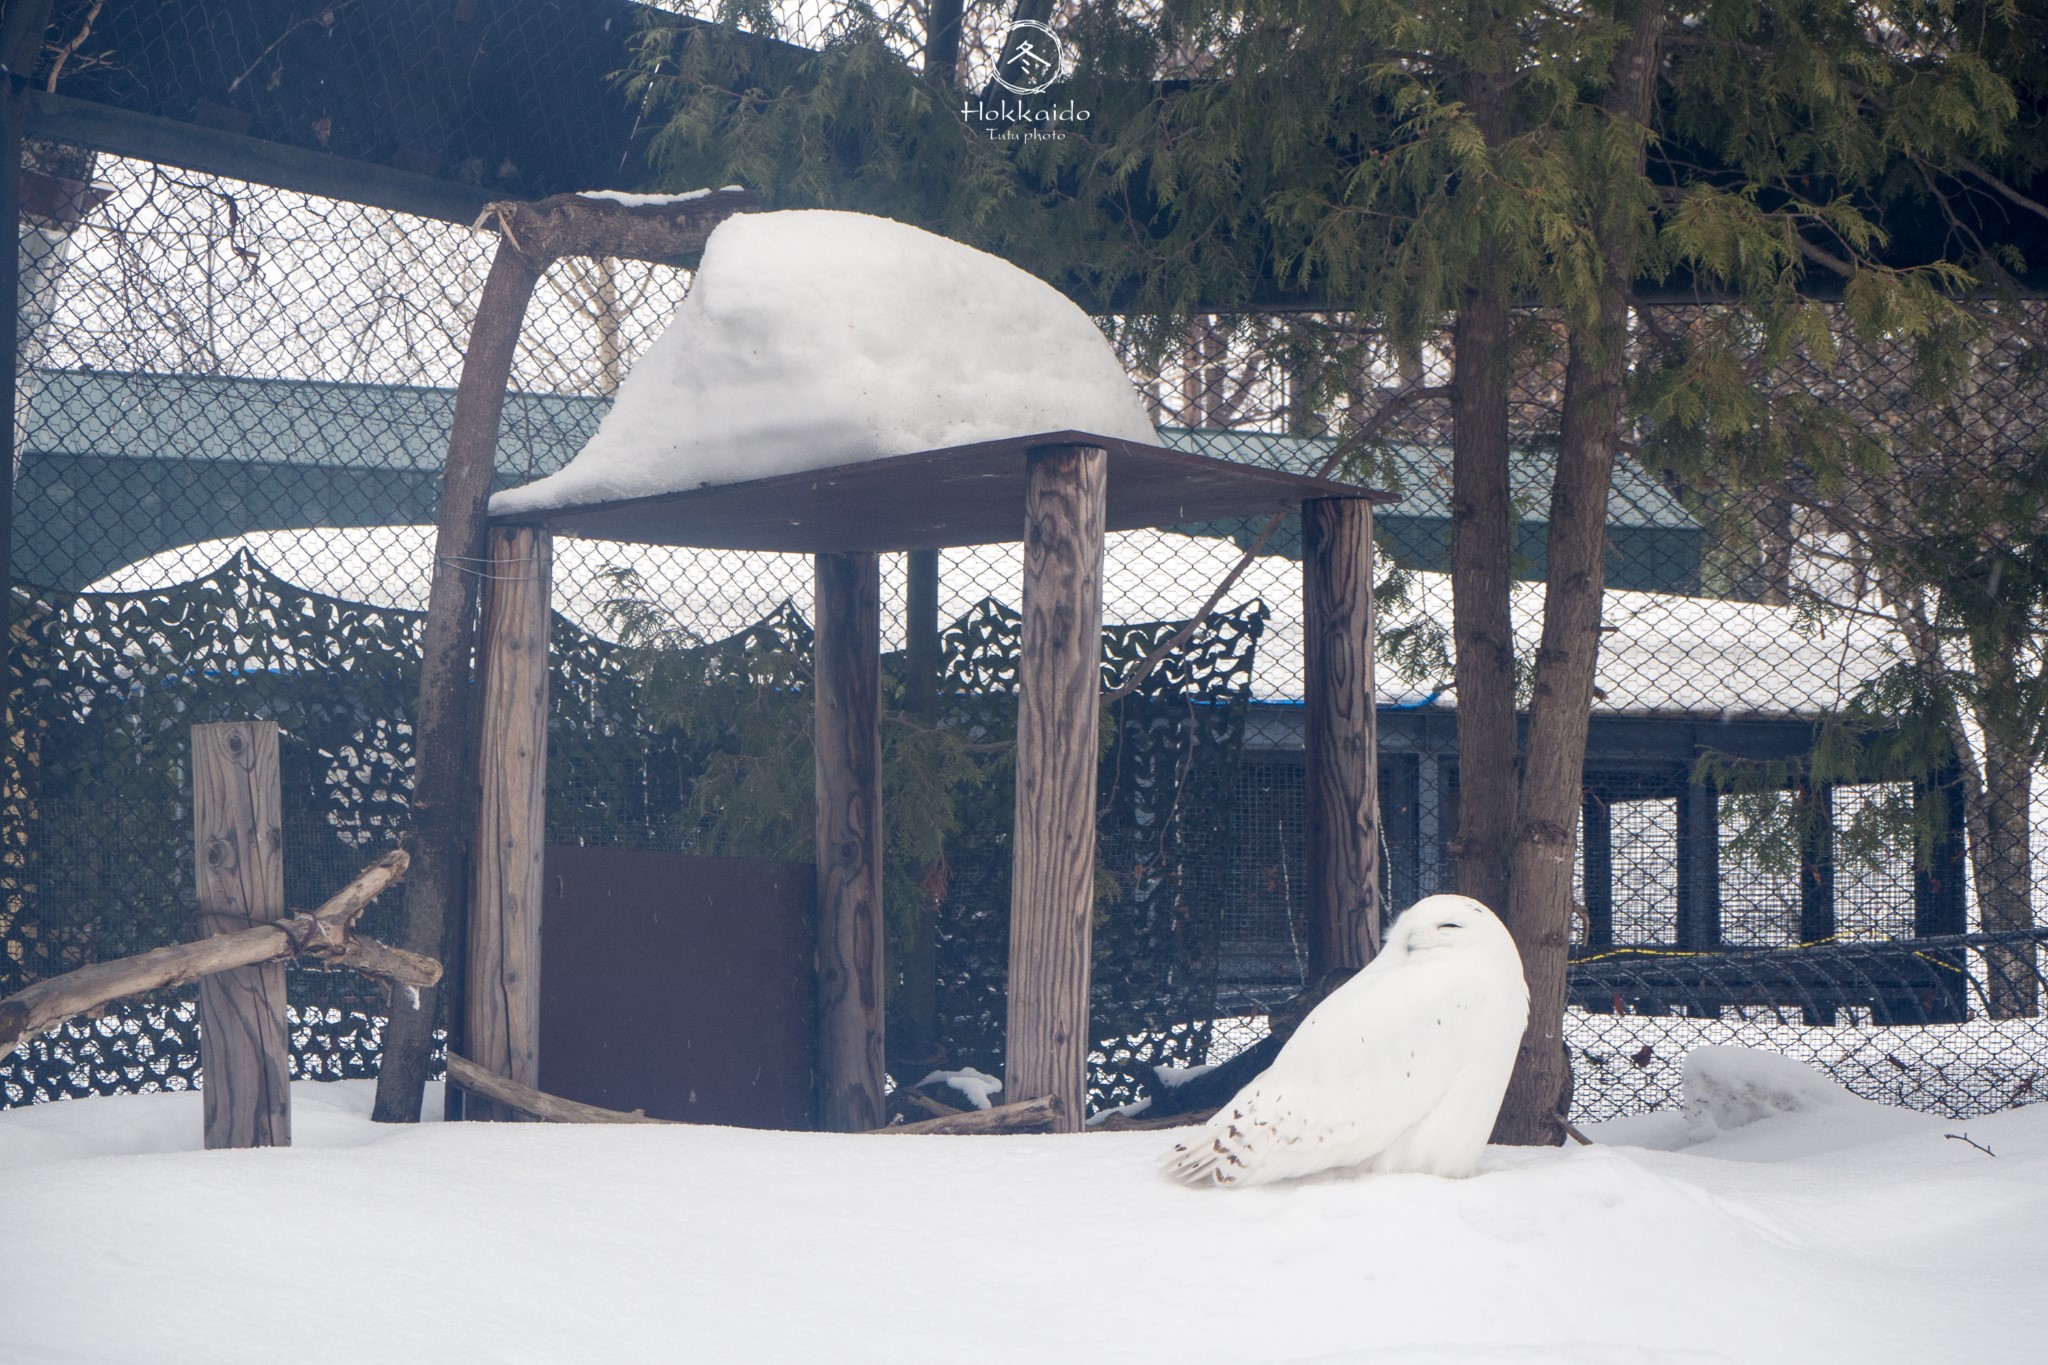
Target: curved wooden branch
467	1075
320	933
1041	1115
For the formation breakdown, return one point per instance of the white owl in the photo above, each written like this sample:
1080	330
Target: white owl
1402	1068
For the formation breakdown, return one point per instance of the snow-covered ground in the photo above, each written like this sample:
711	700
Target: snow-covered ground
1838	1231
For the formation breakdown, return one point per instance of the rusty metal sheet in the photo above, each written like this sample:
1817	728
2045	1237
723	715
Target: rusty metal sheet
679	985
963	495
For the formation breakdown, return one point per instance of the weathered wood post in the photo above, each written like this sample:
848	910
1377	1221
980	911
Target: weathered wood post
914	1027
1341	742
244	1046
502	996
1059	685
1597	819
1699	868
851	987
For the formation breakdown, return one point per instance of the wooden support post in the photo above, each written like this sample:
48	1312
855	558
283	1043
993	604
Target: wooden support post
244	1045
1598	820
1699	869
502	995
914	1027
1939	906
921	647
851	986
1340	738
1432	821
1815	807
1059	688
442	722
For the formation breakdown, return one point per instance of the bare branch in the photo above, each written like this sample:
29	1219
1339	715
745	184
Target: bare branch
322	933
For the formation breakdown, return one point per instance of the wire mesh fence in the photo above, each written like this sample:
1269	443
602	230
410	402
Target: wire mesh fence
215	373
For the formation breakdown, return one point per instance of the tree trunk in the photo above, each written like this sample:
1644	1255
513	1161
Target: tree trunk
2000	856
1482	540
1482	532
1539	907
441	725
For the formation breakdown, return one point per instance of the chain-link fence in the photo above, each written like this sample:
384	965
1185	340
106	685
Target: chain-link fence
1813	821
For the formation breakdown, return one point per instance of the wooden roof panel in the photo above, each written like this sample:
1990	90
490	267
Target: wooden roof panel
962	495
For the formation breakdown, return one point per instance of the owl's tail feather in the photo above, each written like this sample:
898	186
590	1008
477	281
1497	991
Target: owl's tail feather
1209	1157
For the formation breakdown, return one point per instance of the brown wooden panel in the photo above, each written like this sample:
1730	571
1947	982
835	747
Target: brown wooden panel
679	985
963	495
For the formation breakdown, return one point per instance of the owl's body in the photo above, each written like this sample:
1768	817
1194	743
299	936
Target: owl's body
1402	1068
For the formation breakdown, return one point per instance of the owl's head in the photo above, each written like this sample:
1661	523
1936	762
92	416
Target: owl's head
1437	923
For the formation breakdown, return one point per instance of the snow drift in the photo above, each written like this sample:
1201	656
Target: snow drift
815	338
527	1242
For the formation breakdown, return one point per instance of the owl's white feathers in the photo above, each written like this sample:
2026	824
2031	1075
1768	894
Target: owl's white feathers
1402	1068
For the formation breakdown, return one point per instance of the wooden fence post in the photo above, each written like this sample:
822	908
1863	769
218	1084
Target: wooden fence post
851	983
502	995
1059	689
1340	736
238	838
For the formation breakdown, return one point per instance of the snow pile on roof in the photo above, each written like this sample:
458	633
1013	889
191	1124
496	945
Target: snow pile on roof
816	338
560	1242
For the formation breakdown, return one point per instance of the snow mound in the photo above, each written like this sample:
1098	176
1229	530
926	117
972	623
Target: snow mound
530	1242
814	338
1732	1087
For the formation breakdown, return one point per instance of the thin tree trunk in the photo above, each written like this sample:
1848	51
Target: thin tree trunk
1539	908
1482	626
1999	814
1482	532
441	727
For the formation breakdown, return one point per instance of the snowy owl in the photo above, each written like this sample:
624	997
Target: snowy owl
1402	1068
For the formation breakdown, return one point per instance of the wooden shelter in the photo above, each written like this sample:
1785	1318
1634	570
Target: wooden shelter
1059	492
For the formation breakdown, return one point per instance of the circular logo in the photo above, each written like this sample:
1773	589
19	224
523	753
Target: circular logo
1031	60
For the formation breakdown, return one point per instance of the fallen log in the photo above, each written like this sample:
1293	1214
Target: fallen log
1025	1116
322	933
467	1075
907	1101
